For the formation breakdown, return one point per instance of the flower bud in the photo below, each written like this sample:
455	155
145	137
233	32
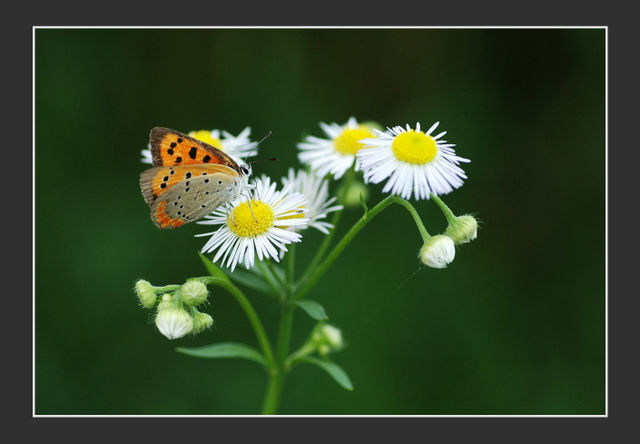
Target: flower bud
201	321
146	293
332	335
165	303
194	292
438	251
330	339
174	323
462	229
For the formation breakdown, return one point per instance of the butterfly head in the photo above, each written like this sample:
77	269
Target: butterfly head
245	169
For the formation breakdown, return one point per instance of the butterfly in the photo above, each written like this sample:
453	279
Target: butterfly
189	179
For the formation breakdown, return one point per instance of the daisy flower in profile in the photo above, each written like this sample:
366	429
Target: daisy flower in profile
260	229
336	154
238	147
316	190
413	161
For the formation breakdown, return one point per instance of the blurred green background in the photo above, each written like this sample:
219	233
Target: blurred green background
515	325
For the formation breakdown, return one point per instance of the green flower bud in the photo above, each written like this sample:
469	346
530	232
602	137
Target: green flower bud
174	323
462	229
330	339
146	293
167	302
438	251
201	321
194	292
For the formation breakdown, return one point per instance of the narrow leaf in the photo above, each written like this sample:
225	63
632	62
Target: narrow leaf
364	205
248	279
334	370
313	309
212	268
279	271
224	350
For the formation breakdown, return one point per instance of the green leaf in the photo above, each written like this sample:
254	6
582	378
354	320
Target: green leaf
313	309
334	370
212	268
224	350
249	279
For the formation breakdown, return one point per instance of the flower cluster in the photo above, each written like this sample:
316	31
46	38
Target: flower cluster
414	163
264	223
259	223
176	313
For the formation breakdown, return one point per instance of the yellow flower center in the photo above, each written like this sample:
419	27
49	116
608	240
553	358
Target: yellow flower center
415	147
205	136
243	223
347	142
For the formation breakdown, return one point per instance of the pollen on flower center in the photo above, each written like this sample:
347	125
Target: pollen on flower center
205	136
243	223
415	147
347	142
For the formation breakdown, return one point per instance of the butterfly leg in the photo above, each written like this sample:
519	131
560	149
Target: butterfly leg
250	197
251	209
230	213
255	191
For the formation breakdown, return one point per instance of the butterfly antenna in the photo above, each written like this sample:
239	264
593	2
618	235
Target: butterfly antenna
256	146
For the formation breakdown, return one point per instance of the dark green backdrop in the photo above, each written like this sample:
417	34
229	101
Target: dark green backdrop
515	325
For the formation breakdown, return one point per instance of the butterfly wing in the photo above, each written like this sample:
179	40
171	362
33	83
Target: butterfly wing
191	199
189	180
169	147
156	181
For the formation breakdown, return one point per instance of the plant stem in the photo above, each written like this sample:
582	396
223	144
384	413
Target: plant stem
318	272
445	209
347	181
416	218
270	276
290	267
261	334
278	371
167	288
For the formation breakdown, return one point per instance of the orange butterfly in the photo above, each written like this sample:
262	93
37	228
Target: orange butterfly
190	179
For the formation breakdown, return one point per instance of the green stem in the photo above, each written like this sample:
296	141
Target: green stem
318	272
348	180
261	334
445	209
166	288
416	218
278	371
290	266
272	395
270	276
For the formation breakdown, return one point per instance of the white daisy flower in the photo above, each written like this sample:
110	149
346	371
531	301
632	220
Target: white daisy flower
238	147
336	154
261	228
316	190
414	161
